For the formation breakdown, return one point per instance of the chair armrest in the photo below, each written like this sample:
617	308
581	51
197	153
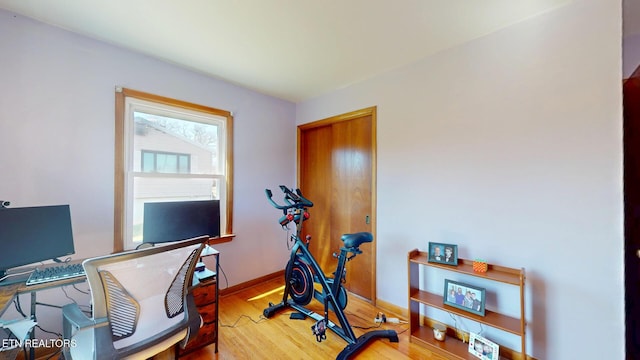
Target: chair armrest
72	315
194	320
73	318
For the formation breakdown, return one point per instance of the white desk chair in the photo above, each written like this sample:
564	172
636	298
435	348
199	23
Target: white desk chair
141	303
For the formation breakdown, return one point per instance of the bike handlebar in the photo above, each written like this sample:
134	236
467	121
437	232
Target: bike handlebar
293	200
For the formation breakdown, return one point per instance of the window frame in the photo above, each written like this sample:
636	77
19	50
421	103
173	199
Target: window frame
120	181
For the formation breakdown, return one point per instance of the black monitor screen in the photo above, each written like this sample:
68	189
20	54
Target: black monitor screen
179	220
33	234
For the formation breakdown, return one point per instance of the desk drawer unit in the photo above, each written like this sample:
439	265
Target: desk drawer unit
209	314
205	297
205	294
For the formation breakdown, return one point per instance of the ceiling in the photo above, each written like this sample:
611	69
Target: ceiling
291	49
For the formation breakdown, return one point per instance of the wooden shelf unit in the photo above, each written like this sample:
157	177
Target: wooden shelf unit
452	346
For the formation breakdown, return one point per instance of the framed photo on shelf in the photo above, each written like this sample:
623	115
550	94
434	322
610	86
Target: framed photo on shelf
465	297
443	253
483	348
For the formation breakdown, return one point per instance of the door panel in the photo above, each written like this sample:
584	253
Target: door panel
316	179
352	194
336	173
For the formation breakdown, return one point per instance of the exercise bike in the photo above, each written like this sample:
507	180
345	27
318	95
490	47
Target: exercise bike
302	271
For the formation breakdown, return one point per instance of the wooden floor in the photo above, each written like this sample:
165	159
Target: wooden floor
246	334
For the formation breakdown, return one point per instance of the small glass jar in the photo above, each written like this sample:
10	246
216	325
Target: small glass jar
439	332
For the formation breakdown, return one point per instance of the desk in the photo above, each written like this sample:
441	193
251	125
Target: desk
9	292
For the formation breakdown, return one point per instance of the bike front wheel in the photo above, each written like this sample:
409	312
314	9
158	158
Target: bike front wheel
301	282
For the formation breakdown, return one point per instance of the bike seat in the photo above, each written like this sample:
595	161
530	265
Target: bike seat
354	240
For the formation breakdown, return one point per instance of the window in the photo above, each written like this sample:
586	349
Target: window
168	150
165	162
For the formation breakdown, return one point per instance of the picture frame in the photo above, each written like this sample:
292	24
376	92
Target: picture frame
482	348
443	253
464	297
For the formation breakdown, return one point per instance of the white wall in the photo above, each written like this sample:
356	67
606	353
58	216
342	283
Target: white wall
511	147
631	54
57	139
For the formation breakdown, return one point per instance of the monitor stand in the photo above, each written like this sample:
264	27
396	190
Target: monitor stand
13	279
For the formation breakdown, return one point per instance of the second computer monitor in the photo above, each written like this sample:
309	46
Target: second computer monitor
179	220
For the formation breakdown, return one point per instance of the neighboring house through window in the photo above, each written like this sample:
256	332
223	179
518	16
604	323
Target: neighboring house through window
168	150
165	162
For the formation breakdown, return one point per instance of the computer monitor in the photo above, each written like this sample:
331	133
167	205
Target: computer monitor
33	234
179	220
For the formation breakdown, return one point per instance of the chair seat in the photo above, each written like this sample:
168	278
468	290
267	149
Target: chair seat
86	344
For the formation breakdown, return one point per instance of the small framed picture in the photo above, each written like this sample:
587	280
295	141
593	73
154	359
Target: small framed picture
465	297
483	348
443	253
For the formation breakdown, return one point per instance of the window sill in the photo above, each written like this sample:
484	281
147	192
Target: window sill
221	239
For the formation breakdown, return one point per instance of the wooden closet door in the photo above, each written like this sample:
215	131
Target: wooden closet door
336	173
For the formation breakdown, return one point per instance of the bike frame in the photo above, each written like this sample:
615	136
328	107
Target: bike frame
332	291
300	249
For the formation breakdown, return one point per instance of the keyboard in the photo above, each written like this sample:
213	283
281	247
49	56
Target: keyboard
53	273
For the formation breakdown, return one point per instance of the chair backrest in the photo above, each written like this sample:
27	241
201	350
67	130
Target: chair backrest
143	293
